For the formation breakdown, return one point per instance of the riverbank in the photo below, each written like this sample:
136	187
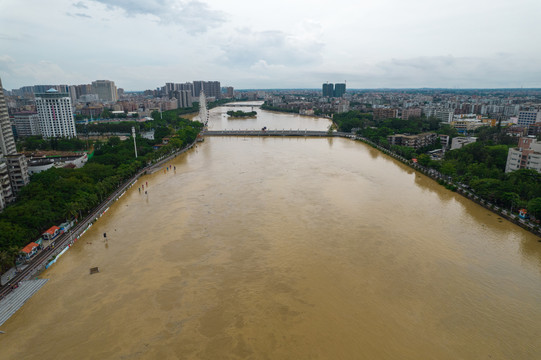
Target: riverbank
52	253
459	188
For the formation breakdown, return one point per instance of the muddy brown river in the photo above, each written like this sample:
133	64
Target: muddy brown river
288	248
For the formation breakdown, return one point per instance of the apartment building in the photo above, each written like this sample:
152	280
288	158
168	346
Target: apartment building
526	156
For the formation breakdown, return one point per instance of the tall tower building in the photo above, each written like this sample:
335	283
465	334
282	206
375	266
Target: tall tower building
55	114
105	89
13	166
328	90
210	88
339	90
7	142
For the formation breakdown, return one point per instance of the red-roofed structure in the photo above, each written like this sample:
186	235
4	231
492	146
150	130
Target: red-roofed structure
53	232
30	250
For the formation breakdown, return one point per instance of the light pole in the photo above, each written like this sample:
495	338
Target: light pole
134	143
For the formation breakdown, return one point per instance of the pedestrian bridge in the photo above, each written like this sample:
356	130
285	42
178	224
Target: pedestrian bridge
307	133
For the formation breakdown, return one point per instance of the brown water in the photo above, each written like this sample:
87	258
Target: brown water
288	248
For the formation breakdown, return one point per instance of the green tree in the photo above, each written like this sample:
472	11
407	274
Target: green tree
534	207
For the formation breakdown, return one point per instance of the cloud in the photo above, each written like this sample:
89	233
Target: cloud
80	5
42	72
193	15
247	48
79	15
501	70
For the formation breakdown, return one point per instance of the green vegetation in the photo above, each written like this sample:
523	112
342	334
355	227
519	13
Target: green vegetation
56	195
241	113
265	106
33	143
123	127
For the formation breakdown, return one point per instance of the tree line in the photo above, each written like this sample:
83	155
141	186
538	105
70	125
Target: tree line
241	113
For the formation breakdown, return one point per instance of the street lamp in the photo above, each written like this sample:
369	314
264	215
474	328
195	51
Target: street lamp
134	143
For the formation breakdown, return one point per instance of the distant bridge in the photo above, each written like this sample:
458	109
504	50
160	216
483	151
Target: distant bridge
241	105
307	133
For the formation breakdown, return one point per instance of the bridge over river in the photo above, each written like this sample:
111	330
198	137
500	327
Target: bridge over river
308	133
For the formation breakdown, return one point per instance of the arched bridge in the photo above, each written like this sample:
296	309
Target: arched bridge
309	133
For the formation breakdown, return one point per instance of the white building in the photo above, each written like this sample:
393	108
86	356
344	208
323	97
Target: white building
526	156
461	141
55	114
445	116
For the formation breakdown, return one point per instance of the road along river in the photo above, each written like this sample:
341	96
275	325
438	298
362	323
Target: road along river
288	248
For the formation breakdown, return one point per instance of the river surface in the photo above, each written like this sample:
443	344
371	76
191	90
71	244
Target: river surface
288	248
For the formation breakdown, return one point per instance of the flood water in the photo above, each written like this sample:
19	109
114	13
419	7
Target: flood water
288	248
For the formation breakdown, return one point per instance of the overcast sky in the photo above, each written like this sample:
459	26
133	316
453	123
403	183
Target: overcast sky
141	44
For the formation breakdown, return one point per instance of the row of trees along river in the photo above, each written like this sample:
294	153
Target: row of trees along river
480	165
58	194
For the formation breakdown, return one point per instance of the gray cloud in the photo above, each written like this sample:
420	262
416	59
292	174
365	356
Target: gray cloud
501	70
79	15
80	5
264	49
194	16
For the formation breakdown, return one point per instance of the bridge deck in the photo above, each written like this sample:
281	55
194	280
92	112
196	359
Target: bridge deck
311	133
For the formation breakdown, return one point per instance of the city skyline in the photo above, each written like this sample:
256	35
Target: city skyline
389	44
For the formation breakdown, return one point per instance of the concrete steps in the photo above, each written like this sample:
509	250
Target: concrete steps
15	299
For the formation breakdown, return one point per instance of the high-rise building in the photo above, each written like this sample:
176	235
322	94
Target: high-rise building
84	89
188	86
527	118
7	142
105	89
210	88
184	98
213	89
18	172
13	166
328	90
339	90
55	114
26	123
229	92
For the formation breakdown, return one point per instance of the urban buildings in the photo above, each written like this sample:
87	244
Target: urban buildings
333	90
229	92
385	113
461	141
55	114
527	155
410	113
445	116
105	89
413	141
